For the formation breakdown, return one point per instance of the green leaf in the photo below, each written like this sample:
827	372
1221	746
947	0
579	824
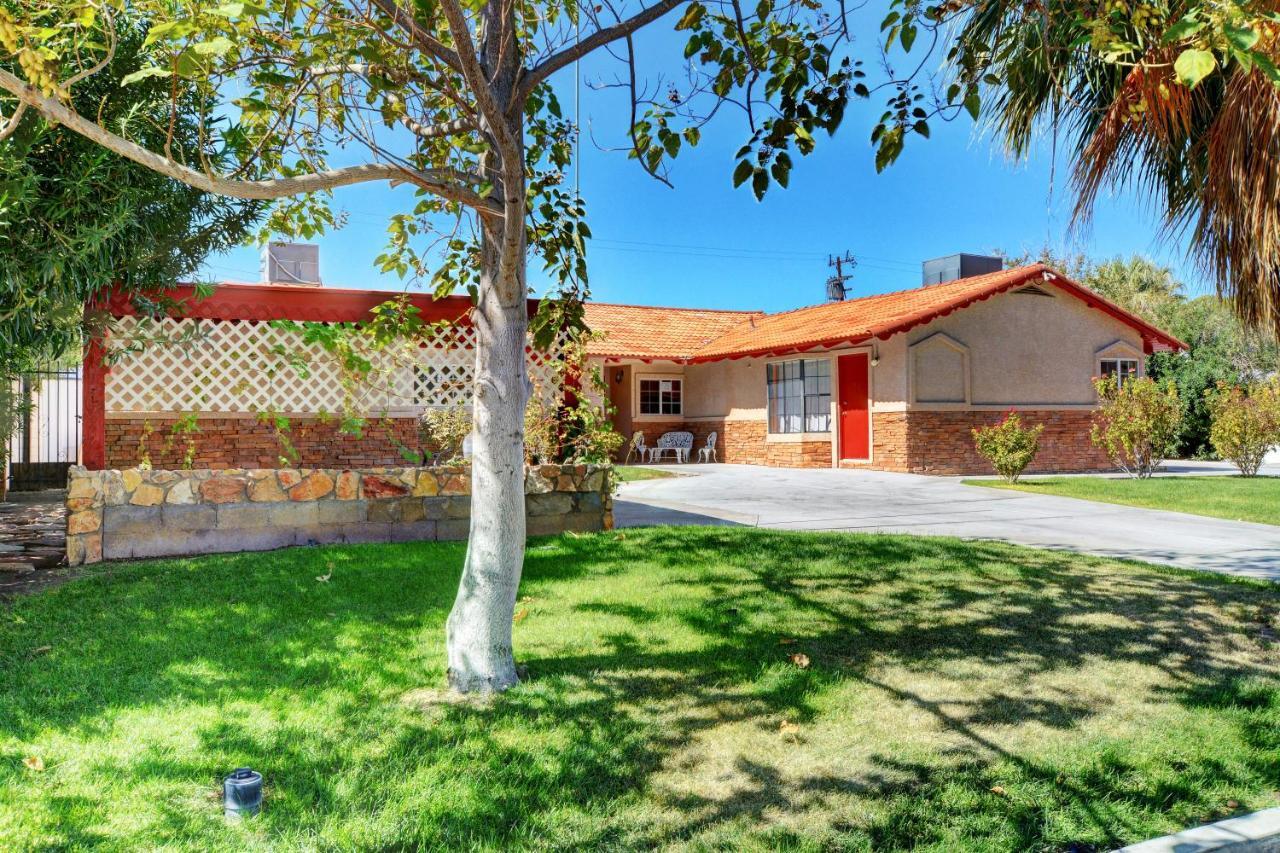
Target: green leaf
692	15
889	21
973	104
153	71
692	135
1268	67
741	173
760	183
922	128
214	47
1193	65
781	173
889	149
1188	26
672	143
1242	38
907	37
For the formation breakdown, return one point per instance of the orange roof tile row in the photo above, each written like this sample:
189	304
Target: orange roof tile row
632	331
638	331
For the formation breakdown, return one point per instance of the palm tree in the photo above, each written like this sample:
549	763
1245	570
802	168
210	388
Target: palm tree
1102	76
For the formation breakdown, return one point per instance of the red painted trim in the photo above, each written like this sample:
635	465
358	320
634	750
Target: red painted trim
264	302
93	420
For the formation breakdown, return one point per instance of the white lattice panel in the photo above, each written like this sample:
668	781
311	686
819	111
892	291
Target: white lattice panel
248	367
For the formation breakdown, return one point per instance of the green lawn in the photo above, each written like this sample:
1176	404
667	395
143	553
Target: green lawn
628	473
959	696
1237	498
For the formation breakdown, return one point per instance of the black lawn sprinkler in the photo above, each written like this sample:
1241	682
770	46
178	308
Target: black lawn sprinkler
242	794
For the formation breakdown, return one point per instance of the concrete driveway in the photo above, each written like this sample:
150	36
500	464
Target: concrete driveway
880	502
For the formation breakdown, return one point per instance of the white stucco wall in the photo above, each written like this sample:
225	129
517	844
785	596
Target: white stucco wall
1028	350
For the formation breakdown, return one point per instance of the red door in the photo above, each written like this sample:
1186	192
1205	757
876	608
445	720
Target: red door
855	408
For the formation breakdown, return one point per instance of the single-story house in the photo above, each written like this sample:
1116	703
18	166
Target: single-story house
894	381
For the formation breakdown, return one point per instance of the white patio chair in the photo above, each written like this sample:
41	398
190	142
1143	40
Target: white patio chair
707	453
678	444
636	446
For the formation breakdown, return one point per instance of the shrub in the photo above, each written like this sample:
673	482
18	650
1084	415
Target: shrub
443	432
1246	423
541	429
1136	423
1009	446
575	430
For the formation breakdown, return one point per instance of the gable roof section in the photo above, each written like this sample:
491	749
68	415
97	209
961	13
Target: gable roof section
637	331
855	321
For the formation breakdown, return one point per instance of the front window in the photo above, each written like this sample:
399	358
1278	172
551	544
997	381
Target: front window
1123	369
799	395
661	396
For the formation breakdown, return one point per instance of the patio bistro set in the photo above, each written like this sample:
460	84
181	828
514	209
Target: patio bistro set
677	444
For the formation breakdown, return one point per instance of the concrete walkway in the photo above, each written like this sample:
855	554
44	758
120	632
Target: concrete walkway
880	502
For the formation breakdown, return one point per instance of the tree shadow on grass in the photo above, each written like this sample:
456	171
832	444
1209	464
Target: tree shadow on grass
263	664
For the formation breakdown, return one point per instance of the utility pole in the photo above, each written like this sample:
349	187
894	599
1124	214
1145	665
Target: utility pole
836	291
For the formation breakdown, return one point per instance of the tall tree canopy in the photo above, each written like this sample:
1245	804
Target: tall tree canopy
75	218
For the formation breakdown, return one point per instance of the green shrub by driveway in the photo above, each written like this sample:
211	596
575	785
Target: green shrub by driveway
699	687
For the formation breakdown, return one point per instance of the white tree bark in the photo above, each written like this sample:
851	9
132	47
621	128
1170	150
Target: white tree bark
478	634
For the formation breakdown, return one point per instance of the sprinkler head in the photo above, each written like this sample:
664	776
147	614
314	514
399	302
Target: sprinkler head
242	794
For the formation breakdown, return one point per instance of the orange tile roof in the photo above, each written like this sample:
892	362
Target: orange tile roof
679	334
638	331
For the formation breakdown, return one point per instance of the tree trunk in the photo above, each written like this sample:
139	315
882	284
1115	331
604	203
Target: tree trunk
479	628
478	633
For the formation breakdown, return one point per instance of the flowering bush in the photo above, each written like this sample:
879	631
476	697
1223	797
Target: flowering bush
1245	423
1009	446
1136	422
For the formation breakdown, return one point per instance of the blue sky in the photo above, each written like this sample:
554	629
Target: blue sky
706	244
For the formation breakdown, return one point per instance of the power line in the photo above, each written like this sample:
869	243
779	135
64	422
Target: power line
744	252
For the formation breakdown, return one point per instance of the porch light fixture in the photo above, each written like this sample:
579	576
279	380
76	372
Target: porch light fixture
242	794
617	376
875	357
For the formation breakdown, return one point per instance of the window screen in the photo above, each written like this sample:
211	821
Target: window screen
799	395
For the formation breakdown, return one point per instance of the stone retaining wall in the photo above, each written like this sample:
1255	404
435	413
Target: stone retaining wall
134	513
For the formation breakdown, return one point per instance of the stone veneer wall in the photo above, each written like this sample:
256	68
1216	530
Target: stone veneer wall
748	444
244	442
155	513
941	442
